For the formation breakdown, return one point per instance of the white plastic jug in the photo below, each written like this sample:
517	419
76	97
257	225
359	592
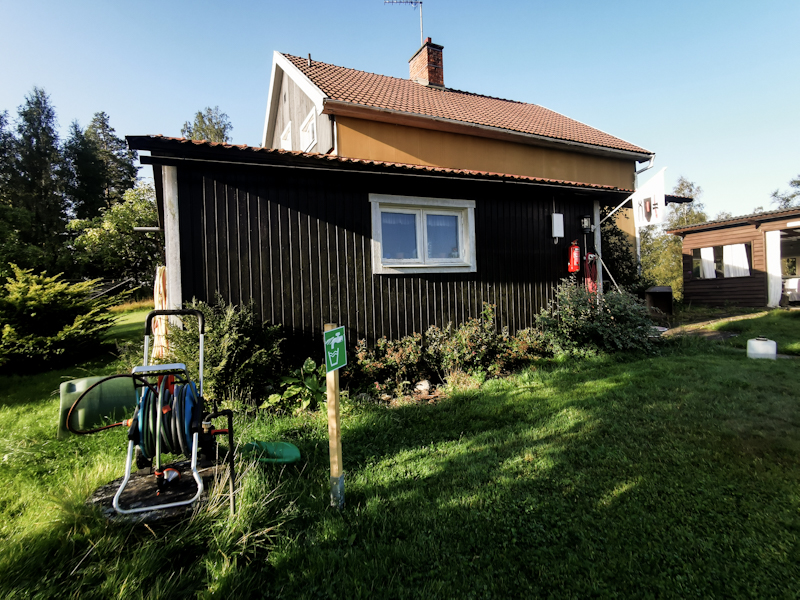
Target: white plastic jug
761	347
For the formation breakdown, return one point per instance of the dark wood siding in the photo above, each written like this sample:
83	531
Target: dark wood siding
741	291
299	244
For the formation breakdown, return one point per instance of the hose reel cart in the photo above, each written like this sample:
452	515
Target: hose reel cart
170	416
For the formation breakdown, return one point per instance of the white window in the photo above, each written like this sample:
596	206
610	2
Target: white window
286	137
308	131
422	235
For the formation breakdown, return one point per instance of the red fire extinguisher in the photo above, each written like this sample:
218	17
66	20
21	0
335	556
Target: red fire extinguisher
574	257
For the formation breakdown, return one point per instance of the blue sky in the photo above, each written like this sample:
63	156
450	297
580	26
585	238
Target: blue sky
710	87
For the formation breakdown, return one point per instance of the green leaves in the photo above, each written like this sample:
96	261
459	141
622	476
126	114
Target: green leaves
43	319
304	389
242	354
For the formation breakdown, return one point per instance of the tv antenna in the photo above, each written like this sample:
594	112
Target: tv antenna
414	4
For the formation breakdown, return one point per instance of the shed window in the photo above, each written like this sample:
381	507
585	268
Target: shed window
716	262
286	137
422	235
308	131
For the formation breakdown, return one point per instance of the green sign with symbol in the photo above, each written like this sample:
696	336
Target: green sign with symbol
335	353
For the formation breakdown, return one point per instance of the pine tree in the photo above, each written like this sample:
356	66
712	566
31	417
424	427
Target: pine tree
118	161
35	187
85	174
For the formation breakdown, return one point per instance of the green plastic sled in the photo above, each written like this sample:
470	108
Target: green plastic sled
273	452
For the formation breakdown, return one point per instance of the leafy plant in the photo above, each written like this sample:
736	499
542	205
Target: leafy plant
242	354
392	363
304	387
45	320
475	348
580	322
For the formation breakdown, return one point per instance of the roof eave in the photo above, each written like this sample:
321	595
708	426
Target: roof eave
738	221
386	115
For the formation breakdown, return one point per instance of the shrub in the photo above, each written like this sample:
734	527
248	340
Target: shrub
44	321
392	363
242	354
474	348
577	321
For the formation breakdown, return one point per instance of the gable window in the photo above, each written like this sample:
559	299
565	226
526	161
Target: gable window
286	137
718	262
422	235
308	131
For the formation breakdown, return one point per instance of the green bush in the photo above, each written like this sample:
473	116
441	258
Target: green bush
242	354
393	364
579	322
45	321
474	348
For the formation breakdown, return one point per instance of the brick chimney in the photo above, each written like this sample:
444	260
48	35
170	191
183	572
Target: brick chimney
426	66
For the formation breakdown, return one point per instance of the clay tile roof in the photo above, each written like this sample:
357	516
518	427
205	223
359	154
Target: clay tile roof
404	95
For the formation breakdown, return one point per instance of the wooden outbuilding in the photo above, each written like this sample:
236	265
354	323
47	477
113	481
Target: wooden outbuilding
744	261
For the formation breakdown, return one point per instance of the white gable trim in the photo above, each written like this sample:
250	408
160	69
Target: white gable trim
281	65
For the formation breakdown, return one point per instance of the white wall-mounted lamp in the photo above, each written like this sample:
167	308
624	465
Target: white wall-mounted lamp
558	226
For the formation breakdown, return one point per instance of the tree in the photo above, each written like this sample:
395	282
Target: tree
119	162
662	253
107	246
99	167
619	254
84	174
787	199
210	125
34	186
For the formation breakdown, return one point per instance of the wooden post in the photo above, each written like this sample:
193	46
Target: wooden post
335	435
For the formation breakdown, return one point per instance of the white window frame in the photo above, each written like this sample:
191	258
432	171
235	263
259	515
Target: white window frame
463	209
286	137
308	131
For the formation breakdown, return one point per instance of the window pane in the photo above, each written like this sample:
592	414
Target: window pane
442	236
399	235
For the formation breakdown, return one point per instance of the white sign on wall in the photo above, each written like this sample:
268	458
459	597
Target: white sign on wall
649	205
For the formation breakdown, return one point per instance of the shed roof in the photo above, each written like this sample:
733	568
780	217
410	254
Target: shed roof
361	89
751	219
168	149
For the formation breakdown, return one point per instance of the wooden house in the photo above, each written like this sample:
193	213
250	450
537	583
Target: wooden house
385	204
745	261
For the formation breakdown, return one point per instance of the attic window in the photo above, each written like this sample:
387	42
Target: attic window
308	131
422	235
286	137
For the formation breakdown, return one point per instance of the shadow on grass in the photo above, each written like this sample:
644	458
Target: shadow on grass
575	482
670	476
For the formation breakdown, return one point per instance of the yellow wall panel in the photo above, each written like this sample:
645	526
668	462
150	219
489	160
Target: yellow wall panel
372	140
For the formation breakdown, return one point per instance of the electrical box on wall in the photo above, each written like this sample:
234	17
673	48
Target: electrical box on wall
558	225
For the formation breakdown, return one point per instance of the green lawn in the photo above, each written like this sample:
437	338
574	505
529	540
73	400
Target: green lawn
783	326
675	475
